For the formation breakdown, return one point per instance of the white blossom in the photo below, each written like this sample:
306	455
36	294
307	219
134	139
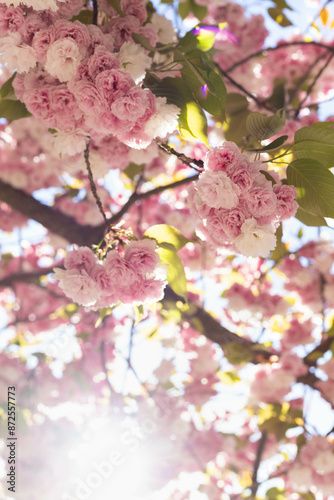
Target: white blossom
166	32
165	119
63	59
217	190
69	143
35	4
255	240
16	55
134	60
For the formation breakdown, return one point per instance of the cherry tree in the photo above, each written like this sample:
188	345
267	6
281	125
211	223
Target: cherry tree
167	278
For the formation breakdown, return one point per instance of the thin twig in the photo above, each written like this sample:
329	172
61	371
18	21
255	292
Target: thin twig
95	12
305	76
128	360
141	196
278	47
185	159
261	104
257	462
104	365
315	79
93	186
317	15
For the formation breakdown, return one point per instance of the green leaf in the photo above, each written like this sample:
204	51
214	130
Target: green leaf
278	15
280	249
268	176
162	233
85	17
200	11
316	142
277	98
13	110
310	219
237	353
315	186
184	8
192	123
198	38
175	271
212	95
116	4
7	90
281	4
307	496
273	145
263	127
236	109
192	120
132	170
143	41
106	311
275	494
228	378
188	6
170	88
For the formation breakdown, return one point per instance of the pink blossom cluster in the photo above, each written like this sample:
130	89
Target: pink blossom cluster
245	307
132	278
9	218
25	163
246	35
237	205
314	467
273	382
242	35
304	282
298	333
83	79
326	387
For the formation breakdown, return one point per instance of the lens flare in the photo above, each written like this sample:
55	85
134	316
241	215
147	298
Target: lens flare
222	33
203	93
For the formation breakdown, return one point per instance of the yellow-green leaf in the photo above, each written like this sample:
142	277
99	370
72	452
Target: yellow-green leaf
324	14
316	142
315	186
193	123
162	234
263	127
175	271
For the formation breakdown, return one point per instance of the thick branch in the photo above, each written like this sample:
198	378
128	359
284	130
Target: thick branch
204	323
85	235
52	219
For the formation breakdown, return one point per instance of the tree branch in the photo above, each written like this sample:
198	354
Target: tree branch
147	194
185	159
51	218
305	77
317	76
67	227
93	186
258	458
95	12
278	47
261	104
